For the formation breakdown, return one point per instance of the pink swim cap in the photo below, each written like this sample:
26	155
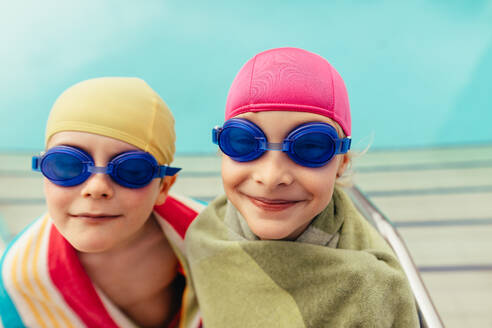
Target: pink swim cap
290	79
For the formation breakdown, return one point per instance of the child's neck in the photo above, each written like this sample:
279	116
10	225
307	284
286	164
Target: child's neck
139	277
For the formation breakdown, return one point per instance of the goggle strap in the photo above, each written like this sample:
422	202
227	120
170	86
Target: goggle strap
215	134
345	145
167	171
35	163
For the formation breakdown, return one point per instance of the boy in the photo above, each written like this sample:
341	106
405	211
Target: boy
285	247
101	256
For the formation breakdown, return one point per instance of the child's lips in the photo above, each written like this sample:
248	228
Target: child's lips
268	204
95	216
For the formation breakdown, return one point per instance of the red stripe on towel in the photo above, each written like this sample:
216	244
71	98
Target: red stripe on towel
177	214
74	284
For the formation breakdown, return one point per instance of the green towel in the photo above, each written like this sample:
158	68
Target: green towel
339	273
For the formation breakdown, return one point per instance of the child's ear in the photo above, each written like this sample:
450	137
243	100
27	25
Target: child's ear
344	162
166	184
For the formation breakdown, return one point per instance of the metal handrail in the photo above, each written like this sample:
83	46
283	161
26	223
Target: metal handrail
428	313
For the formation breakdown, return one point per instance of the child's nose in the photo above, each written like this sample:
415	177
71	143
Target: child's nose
98	186
273	169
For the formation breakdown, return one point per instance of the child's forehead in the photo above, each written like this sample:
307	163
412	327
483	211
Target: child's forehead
284	120
90	142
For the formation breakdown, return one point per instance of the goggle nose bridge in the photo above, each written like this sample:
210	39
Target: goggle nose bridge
100	169
278	146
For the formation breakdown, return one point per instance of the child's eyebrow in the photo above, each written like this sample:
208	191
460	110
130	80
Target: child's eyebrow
111	155
74	146
85	149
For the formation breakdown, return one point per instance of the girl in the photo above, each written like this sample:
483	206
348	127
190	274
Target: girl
285	247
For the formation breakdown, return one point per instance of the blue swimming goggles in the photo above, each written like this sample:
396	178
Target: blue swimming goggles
69	166
310	144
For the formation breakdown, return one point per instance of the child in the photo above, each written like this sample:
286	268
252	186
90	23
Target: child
285	246
102	257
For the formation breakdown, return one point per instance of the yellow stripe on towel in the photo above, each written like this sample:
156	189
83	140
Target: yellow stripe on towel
26	288
44	292
19	288
25	275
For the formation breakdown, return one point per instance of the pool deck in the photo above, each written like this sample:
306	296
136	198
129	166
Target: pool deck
439	199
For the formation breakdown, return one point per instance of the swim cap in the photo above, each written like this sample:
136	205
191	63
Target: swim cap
122	108
290	79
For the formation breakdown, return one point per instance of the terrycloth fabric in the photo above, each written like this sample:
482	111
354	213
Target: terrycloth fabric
242	282
43	284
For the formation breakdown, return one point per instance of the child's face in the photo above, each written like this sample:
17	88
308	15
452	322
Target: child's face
277	197
99	215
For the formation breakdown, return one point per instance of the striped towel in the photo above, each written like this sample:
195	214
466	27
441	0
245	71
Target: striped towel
43	284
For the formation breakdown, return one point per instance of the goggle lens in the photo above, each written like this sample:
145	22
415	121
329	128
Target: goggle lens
135	171
238	142
61	166
313	147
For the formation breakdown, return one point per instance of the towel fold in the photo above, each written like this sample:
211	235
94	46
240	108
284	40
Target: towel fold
339	273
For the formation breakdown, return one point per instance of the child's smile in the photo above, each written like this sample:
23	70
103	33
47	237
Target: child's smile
272	204
95	216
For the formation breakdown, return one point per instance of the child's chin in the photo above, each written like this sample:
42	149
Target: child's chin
90	246
271	234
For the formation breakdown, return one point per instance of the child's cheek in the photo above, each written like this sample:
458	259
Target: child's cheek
233	172
138	199
57	196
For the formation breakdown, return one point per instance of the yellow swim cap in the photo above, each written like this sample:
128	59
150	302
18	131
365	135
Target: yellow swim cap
122	108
